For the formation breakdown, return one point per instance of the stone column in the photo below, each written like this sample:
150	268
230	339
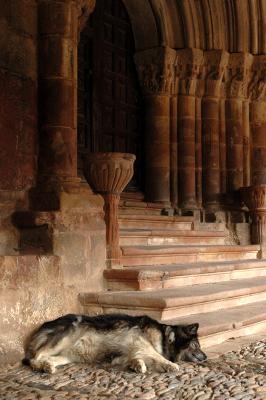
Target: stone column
59	23
235	116
198	153
173	152
257	92
189	64
254	198
214	66
156	73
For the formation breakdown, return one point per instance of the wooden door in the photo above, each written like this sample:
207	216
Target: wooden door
109	101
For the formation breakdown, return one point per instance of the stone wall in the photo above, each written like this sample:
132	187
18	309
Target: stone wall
18	94
52	237
18	111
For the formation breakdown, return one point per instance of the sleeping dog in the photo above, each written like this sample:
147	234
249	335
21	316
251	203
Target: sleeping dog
135	342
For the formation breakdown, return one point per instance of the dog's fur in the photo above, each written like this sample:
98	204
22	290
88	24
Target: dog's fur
135	342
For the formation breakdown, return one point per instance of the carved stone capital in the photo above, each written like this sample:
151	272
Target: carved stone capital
238	75
257	87
213	69
188	70
85	8
156	70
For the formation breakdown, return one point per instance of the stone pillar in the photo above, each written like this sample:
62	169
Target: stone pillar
109	173
257	92
156	73
214	66
198	153
57	88
18	113
59	24
189	64
235	117
254	198
173	153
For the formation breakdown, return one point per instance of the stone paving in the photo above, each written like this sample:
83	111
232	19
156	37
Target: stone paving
239	375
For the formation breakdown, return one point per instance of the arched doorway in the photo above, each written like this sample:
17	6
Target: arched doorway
110	111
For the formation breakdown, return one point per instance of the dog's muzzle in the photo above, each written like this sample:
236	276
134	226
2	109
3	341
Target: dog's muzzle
196	356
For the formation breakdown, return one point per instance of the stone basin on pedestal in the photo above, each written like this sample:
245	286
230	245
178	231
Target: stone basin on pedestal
108	174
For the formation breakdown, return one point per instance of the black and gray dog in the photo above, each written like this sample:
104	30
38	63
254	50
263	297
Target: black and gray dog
134	342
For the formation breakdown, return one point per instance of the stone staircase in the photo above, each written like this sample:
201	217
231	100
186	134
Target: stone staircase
178	272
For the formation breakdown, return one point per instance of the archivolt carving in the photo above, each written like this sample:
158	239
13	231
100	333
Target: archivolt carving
235	25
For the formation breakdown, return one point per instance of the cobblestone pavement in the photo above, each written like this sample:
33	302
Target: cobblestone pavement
239	375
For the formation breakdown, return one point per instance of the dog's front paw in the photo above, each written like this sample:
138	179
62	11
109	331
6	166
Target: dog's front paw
43	366
48	367
172	367
139	366
167	367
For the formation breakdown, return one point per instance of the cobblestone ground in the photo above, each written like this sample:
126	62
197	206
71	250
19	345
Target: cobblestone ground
239	375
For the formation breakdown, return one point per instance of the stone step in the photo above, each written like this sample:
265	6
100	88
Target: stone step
140	207
166	304
171	276
159	237
154	255
215	328
140	211
142	221
132	196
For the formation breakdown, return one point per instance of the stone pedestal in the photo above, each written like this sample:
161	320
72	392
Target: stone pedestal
108	174
254	198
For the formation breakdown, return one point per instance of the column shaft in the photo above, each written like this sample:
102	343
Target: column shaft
258	129
57	88
186	151
157	141
234	138
173	151
211	151
246	144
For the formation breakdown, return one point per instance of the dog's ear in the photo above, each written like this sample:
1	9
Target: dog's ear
170	334
192	329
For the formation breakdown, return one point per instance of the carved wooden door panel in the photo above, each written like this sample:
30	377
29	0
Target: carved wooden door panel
110	106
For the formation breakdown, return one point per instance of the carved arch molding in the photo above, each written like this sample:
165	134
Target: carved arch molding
233	25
